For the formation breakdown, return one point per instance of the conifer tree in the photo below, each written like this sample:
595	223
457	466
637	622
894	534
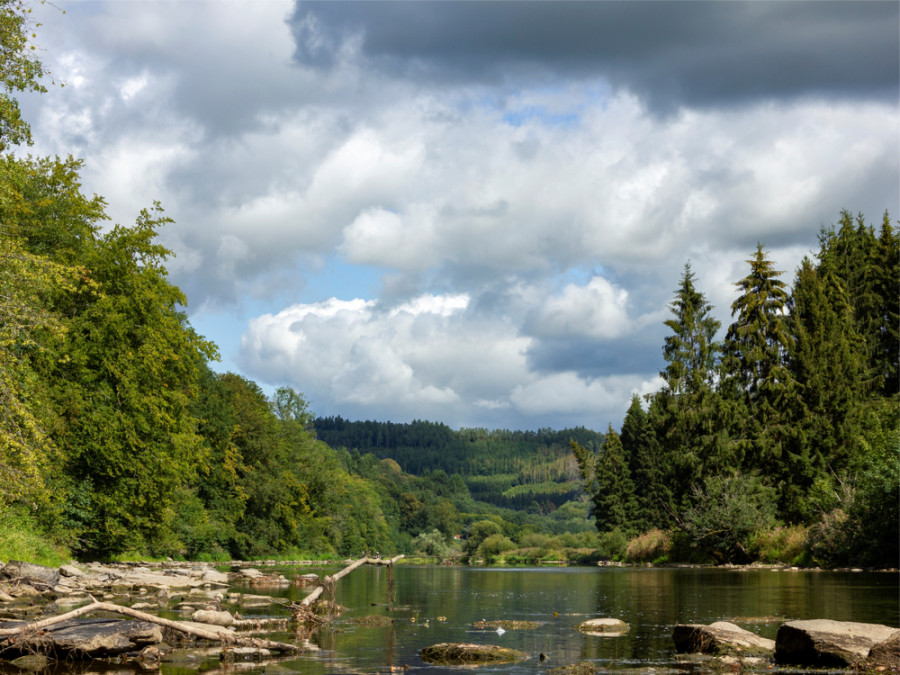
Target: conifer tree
614	502
642	449
827	362
887	284
756	376
691	349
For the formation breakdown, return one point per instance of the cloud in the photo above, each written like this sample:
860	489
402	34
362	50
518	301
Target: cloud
670	54
553	164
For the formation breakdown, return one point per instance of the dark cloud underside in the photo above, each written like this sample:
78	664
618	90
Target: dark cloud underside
695	53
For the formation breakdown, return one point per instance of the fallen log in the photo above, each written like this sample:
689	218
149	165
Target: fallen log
212	633
329	581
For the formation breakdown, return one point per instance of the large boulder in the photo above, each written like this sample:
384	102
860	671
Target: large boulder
823	643
720	638
88	638
29	573
885	653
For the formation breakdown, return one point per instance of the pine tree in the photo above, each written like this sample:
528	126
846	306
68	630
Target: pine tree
756	376
887	285
642	449
691	350
614	501
827	362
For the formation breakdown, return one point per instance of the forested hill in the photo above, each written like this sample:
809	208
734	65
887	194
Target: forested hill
507	468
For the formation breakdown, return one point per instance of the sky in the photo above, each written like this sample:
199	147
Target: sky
473	213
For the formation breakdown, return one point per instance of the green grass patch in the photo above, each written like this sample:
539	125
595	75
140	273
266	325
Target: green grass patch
21	538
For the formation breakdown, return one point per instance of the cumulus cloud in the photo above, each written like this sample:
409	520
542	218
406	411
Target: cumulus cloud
524	181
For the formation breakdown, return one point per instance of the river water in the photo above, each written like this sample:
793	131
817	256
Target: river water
439	604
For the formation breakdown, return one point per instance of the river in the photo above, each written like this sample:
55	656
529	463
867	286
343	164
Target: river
439	604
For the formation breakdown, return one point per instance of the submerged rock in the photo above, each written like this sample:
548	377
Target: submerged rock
719	638
603	626
583	668
505	624
458	653
824	643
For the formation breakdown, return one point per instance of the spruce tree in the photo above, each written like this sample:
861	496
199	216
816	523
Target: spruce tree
754	364
691	349
614	502
827	361
642	449
887	285
687	412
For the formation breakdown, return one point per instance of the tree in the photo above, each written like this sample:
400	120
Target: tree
608	482
124	392
691	350
20	70
644	463
754	364
828	364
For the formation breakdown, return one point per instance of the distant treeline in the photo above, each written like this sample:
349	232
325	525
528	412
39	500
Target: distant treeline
513	469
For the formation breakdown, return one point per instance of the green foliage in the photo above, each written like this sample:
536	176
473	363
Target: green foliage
652	546
477	532
493	546
432	544
22	538
20	70
726	514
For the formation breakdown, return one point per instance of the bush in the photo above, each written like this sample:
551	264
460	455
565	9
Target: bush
611	545
494	545
783	544
651	546
431	544
726	514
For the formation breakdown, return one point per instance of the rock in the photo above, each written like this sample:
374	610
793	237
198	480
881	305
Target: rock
145	605
91	638
885	653
603	626
214	576
70	571
250	573
455	653
238	653
33	662
505	625
213	617
823	643
30	573
583	668
719	638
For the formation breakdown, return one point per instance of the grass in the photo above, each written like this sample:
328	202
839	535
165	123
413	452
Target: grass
22	539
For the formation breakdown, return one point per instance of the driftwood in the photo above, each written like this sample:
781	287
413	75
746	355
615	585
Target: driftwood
327	582
212	633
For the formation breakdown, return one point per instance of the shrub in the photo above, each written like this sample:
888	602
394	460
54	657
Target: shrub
612	545
494	545
651	546
726	513
783	544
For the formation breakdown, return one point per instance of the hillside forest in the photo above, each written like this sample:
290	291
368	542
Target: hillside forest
119	440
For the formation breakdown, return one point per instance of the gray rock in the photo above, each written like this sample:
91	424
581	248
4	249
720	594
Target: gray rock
719	638
30	573
212	617
823	643
885	653
603	626
90	638
70	571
